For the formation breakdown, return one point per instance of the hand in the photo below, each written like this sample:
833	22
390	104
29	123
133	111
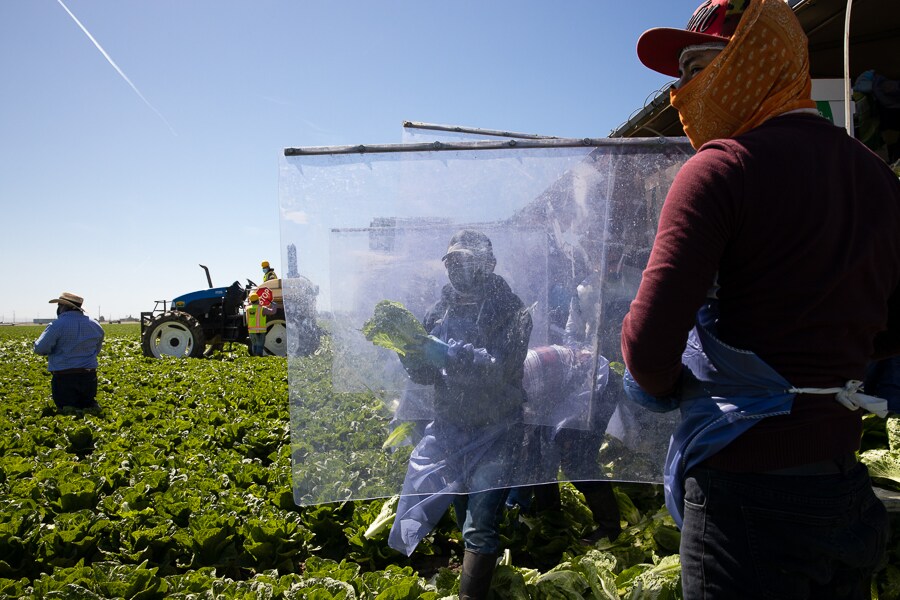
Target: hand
459	353
636	394
461	356
481	357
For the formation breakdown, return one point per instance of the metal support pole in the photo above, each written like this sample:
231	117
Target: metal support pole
848	109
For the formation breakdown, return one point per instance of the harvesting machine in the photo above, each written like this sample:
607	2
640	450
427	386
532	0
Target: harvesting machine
198	323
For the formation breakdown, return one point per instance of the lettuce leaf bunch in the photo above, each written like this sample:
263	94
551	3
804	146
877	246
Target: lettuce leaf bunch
393	327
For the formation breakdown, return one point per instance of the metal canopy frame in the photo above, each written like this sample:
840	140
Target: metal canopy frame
477	145
476	131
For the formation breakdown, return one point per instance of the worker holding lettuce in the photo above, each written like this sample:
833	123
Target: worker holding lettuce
473	355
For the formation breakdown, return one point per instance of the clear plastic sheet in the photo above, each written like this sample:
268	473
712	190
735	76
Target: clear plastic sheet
571	229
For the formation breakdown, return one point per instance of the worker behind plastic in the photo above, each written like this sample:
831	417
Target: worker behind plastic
479	331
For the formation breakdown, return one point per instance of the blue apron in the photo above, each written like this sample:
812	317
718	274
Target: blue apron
447	460
725	392
441	466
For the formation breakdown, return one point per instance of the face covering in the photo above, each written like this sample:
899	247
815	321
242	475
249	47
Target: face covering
464	273
762	73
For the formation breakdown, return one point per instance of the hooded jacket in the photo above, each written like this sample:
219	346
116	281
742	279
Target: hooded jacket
495	319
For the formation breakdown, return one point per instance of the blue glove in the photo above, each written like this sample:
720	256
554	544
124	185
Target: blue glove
462	356
459	353
481	357
637	395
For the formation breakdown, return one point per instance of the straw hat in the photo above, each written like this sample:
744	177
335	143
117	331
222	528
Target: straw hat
69	299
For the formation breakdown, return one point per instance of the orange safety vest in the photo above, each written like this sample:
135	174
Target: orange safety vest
256	319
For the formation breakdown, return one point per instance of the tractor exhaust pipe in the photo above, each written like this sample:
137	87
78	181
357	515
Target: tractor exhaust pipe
208	278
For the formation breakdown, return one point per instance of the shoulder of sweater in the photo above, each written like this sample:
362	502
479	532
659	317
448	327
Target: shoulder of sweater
769	130
752	145
797	126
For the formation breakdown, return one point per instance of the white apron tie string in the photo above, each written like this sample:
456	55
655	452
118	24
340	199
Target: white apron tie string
851	397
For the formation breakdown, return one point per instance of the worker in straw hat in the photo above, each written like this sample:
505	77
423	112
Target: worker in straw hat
71	344
777	265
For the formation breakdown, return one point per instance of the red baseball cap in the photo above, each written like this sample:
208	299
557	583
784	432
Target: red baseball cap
713	22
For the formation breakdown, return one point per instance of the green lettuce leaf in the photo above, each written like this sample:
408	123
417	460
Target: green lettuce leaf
393	327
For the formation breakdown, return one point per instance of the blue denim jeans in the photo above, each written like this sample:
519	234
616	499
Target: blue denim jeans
258	344
478	514
749	535
478	517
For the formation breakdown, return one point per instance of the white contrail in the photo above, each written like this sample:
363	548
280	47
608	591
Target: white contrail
115	66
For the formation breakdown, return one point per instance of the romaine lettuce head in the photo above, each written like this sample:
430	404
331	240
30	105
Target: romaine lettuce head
393	327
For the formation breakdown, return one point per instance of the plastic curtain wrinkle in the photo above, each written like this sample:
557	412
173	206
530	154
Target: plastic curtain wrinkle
571	227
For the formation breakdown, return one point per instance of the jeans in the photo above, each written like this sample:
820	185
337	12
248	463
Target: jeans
478	517
478	513
74	389
258	344
749	535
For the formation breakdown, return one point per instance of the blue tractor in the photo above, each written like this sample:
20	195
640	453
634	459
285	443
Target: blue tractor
198	323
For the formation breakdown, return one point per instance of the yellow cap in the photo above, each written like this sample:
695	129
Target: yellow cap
265	264
254	297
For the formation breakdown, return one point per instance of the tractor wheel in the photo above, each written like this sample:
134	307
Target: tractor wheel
276	337
173	333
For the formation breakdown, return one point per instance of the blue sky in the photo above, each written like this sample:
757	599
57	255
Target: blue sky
117	191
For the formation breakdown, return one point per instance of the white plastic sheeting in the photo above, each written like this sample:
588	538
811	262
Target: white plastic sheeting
571	228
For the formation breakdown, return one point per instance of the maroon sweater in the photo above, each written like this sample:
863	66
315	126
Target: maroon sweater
801	223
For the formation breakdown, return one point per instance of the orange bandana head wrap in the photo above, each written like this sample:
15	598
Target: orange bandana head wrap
762	73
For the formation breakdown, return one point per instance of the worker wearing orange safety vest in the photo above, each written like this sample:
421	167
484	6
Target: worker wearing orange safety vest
255	315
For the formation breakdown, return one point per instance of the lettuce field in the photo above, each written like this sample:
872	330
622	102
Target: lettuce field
180	487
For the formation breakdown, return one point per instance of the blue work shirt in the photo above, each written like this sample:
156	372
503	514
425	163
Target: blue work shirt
72	341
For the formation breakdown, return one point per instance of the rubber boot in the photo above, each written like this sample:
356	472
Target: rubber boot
477	572
601	499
